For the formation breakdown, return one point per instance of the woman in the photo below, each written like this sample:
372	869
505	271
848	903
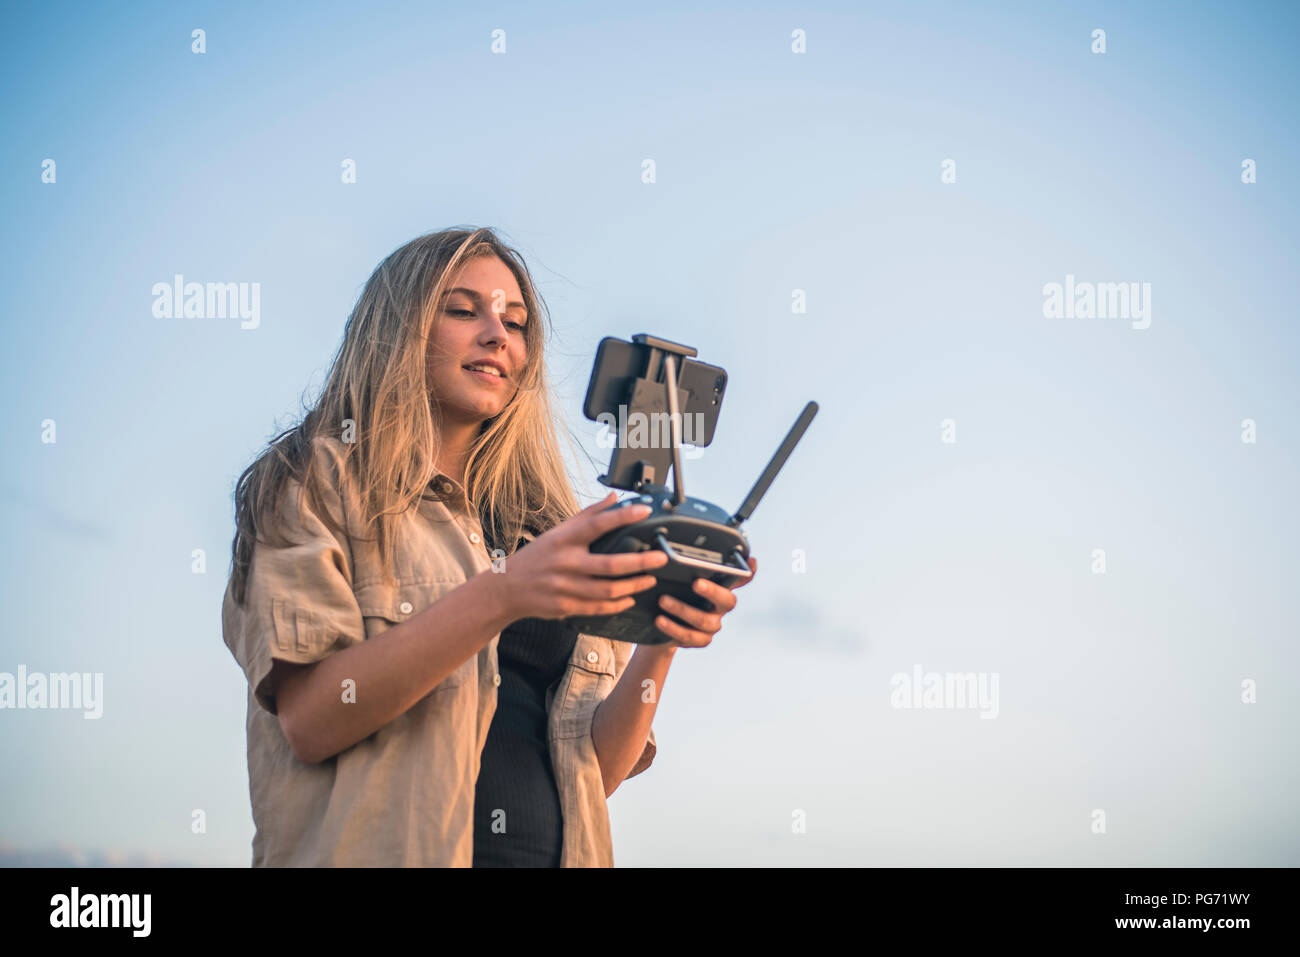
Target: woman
402	564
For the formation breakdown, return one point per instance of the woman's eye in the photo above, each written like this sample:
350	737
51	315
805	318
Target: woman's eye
468	312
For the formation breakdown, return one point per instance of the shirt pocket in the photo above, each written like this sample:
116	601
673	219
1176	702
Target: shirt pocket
587	684
385	604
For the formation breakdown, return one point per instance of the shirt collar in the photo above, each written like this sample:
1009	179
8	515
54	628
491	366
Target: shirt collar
446	489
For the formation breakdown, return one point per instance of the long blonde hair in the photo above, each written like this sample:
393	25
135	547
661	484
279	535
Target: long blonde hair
515	477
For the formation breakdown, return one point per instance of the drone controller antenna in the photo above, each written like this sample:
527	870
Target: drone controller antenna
675	428
774	465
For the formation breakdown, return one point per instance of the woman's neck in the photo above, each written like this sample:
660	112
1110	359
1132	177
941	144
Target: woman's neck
456	442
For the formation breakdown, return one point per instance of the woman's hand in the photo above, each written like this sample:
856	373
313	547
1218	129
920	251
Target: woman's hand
556	576
706	624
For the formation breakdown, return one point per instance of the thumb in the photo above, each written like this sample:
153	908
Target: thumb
597	506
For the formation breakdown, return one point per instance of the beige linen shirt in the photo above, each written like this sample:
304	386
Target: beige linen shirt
404	796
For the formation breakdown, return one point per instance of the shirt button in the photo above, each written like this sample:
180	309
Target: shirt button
593	657
405	607
496	680
474	537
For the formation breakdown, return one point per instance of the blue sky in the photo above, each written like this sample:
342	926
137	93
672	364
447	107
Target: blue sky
775	172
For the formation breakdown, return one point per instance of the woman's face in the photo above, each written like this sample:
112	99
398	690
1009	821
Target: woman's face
481	319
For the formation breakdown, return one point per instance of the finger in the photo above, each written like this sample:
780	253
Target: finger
614	518
723	598
626	563
563	529
706	621
586	528
687	637
592	510
599	608
576	586
595	507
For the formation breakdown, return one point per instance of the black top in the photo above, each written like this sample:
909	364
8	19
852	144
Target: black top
517	816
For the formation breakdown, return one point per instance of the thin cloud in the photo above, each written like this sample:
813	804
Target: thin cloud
799	623
72	526
67	855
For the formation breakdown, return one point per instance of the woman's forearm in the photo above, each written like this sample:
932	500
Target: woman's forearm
621	724
391	672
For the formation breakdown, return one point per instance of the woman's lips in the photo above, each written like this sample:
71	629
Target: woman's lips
486	376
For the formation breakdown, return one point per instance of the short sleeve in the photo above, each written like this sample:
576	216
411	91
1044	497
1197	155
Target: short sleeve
299	605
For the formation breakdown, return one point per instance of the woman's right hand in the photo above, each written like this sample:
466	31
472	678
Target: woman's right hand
557	576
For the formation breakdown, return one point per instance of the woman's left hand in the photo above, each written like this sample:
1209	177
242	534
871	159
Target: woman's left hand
704	624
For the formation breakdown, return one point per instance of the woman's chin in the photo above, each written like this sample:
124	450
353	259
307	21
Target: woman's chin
473	411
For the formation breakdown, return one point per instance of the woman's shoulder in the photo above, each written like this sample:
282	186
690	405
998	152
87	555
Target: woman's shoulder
330	449
319	486
331	465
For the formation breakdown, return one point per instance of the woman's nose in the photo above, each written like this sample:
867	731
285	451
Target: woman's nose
496	327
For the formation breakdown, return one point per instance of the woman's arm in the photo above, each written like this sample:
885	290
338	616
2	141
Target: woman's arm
621	724
392	672
554	577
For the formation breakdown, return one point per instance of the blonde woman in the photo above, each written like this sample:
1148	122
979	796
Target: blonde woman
403	563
